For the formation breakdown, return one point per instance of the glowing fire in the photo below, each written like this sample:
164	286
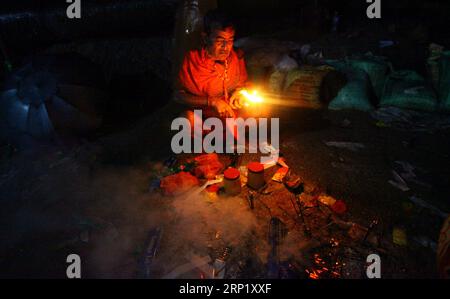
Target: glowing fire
251	97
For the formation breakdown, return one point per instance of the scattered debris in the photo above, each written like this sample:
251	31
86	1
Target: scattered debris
84	236
409	175
344	225
352	146
251	199
195	262
271	188
220	264
171	166
326	200
408	168
294	184
170	162
346	123
362	234
219	269
308	200
339	207
412	121
426	242
399	237
277	231
280	174
213	188
153	242
208	166
371	228
179	183
423	204
399	182
381	124
386	43
154	185
244	175
197	191
282	162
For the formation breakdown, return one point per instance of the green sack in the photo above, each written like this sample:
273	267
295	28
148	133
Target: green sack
376	67
355	94
276	81
407	89
444	81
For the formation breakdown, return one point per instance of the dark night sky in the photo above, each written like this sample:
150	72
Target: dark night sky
129	19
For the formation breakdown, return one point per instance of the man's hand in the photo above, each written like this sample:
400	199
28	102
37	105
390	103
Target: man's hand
222	107
236	99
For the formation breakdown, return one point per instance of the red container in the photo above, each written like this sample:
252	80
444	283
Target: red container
232	181
255	175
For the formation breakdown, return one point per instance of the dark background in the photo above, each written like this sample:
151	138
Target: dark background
28	25
131	39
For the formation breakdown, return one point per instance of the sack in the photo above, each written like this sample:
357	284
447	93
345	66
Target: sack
286	64
355	94
408	90
376	67
303	85
444	81
433	64
276	81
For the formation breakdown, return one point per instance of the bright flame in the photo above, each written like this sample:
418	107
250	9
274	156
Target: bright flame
252	97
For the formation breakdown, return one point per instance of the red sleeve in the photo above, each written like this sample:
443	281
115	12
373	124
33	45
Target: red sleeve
186	77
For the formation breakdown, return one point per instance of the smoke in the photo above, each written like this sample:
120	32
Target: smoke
194	226
105	215
200	227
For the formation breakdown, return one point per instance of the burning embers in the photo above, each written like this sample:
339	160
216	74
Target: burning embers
327	265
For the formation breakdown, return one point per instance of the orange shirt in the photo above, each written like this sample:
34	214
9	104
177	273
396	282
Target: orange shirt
205	77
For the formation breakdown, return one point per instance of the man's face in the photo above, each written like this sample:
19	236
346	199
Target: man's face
220	43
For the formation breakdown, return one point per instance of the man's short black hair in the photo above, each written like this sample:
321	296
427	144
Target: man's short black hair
217	19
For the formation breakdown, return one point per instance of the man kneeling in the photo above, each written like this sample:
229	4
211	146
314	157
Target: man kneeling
211	78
